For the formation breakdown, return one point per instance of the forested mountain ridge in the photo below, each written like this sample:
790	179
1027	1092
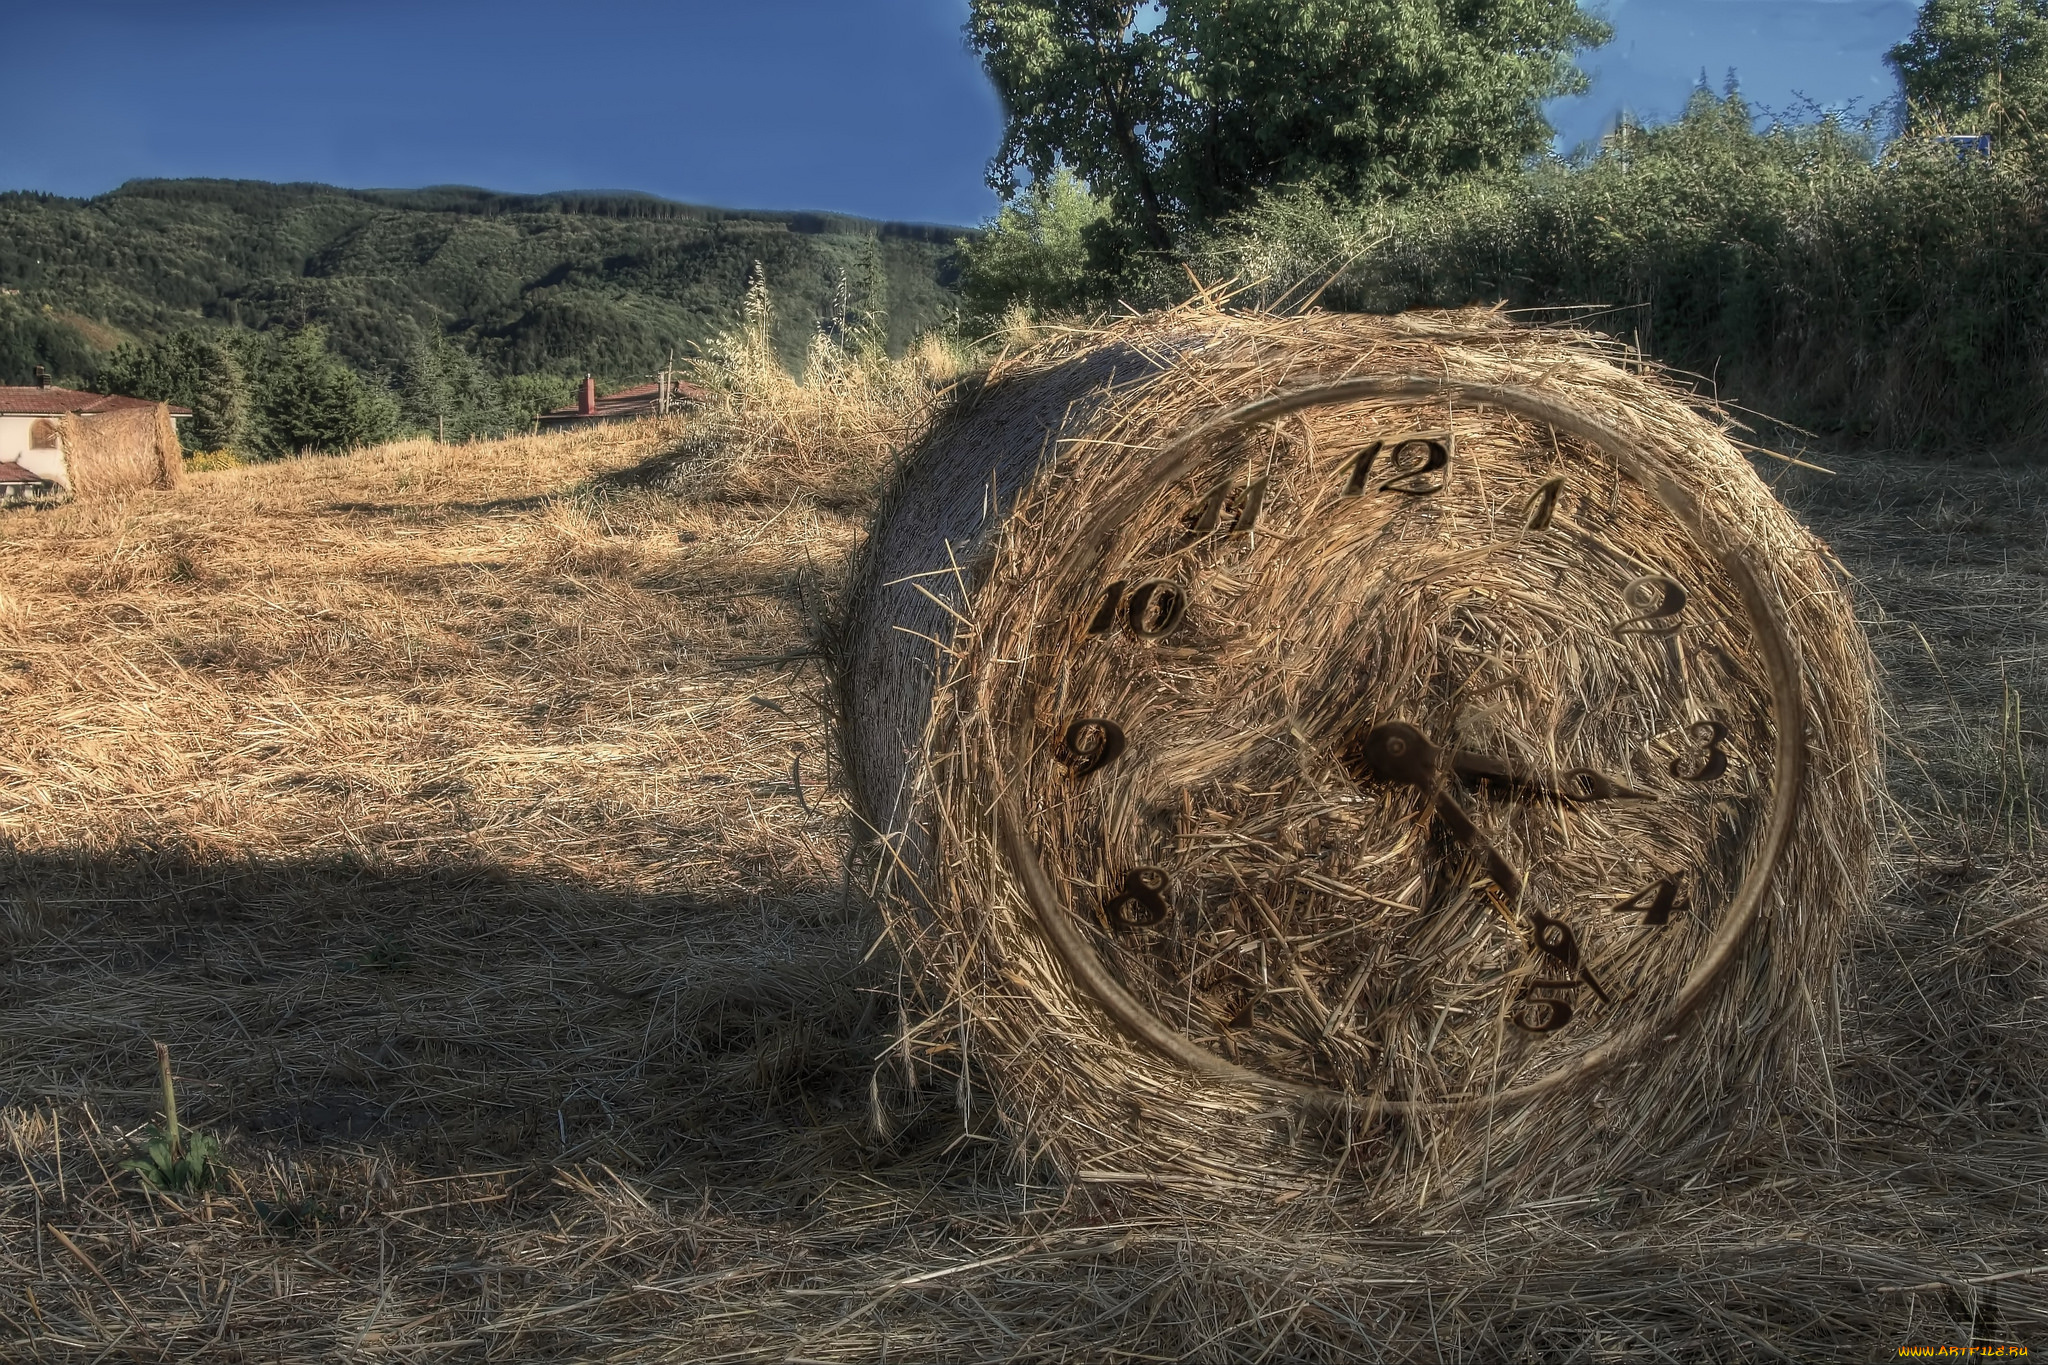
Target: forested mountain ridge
561	283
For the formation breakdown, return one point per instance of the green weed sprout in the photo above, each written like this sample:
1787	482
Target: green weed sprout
173	1159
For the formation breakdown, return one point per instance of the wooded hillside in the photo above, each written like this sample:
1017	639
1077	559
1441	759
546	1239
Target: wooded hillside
606	283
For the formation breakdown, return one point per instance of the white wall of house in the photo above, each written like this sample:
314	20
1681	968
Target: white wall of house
17	446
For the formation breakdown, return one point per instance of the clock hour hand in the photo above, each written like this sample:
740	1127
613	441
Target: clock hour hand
1578	784
1398	753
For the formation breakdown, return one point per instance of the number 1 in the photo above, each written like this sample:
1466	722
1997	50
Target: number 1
1211	510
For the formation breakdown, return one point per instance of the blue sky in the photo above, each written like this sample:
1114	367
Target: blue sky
1784	52
872	107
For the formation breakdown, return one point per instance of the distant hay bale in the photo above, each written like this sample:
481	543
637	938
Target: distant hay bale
121	449
1413	756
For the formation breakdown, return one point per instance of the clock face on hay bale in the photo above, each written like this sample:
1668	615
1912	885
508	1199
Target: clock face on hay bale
1423	749
1411	747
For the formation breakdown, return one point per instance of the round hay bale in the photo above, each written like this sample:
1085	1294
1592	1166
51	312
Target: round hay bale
1414	755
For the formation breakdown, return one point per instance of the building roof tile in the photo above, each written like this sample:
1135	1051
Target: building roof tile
27	400
639	401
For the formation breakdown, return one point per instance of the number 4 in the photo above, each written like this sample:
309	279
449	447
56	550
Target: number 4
1655	901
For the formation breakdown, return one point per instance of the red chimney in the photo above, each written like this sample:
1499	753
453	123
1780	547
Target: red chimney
586	402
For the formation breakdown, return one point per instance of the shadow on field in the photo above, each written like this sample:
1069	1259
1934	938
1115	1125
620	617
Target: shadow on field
450	1016
658	470
437	511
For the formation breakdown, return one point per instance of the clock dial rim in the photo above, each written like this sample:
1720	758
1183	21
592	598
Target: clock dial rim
1078	565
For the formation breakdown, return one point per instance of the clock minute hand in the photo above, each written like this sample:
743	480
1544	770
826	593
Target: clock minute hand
1399	753
1578	784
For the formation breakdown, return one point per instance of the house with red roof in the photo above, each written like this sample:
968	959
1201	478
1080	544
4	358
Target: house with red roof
34	422
18	485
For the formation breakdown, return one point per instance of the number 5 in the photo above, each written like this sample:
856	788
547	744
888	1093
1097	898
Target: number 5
1552	1015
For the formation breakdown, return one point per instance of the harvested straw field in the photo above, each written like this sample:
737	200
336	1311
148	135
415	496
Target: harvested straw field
466	822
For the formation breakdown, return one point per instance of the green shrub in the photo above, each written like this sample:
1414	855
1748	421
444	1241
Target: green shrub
174	1158
1899	298
526	396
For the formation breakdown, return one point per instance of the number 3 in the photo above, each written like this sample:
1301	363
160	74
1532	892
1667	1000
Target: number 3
1708	735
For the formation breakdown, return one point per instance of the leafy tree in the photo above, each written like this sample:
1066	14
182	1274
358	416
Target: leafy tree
309	399
1082	86
1977	66
1036	252
1182	111
162	371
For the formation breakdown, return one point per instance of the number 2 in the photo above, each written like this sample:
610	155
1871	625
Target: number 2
1655	599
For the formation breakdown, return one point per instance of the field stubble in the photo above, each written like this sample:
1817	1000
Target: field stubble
462	818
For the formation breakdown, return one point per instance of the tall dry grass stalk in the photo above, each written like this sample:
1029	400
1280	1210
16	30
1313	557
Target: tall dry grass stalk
830	433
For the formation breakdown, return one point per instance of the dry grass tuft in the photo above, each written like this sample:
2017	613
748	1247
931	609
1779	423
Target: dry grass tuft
765	435
442	816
